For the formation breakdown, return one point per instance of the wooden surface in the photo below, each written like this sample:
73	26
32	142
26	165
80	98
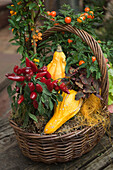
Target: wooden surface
11	158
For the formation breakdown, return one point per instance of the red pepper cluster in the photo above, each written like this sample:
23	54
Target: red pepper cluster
24	75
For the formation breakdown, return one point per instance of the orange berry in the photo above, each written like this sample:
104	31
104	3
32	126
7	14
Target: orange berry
80	19
39	34
70	41
37	31
91	12
99	41
63	32
56	24
32	29
87	9
12	29
48	13
81	62
83	17
19	3
26	39
68	20
86	14
52	19
53	13
35	44
93	58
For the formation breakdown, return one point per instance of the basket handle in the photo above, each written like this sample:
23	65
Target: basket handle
94	46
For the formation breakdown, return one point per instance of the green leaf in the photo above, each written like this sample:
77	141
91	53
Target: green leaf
11	22
51	104
18	18
32	5
33	117
26	120
59	97
20	50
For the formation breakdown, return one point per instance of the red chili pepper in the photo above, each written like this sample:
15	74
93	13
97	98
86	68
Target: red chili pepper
48	82
27	62
16	78
55	83
50	86
21	99
39	75
24	70
35	104
19	71
42	69
43	80
64	88
27	70
33	95
28	77
31	73
48	75
9	74
15	68
39	88
31	86
57	88
33	67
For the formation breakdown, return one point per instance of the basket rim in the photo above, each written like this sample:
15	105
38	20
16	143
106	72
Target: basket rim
54	135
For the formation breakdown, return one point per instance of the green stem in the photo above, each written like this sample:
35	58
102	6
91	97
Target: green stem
32	17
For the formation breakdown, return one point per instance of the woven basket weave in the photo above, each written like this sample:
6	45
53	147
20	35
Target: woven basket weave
55	148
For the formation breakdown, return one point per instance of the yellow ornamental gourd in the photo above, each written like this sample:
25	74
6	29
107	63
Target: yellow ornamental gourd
63	111
57	66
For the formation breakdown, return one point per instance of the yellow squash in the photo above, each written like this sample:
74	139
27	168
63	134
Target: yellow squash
57	66
63	111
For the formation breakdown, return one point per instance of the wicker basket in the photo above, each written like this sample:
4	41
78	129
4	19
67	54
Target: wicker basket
55	148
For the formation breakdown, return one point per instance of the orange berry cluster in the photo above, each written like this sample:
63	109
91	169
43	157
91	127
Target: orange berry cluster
37	36
53	13
87	14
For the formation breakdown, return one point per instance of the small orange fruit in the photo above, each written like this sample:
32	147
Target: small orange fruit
56	24
48	13
81	62
52	19
91	12
99	41
80	19
68	20
70	41
93	58
53	13
86	14
87	9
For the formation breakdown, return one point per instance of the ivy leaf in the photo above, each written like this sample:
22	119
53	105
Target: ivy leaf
33	117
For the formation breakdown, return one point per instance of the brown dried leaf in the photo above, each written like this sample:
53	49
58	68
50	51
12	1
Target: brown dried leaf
79	84
96	85
85	80
79	95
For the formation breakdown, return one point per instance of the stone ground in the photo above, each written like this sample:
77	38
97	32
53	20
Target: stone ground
11	158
